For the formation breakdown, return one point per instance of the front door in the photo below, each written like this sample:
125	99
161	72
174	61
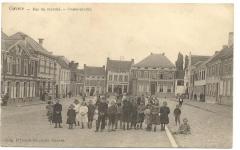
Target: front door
153	88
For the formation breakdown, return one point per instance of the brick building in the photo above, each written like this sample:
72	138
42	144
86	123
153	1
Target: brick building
118	72
63	79
19	68
219	81
190	75
94	80
154	75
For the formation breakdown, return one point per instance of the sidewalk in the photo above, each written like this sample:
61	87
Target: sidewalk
213	108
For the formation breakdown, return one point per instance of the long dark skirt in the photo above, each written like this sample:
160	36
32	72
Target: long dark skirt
57	118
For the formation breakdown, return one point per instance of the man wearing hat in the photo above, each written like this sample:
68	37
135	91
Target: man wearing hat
57	116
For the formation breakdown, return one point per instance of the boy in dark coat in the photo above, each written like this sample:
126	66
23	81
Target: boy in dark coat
118	116
177	113
57	116
140	114
91	110
164	111
102	112
112	111
71	116
134	115
127	107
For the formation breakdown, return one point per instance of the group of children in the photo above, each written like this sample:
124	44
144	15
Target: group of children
129	113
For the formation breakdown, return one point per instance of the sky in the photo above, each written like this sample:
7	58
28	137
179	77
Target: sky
94	32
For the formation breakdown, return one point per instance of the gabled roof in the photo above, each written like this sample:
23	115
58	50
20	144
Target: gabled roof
32	43
92	70
119	65
61	61
196	58
3	35
6	43
224	53
155	60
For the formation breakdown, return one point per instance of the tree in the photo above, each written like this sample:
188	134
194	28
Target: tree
179	62
186	62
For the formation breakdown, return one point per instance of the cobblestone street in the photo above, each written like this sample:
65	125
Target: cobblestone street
211	125
30	123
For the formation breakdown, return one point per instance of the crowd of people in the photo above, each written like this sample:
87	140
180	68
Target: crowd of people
111	114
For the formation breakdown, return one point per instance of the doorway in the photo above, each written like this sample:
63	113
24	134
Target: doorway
153	88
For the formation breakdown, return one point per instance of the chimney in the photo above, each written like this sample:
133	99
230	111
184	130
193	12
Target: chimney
24	38
163	54
84	65
103	66
108	58
230	39
224	46
40	41
132	60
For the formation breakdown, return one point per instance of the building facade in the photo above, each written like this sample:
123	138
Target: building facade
190	74
80	82
63	79
94	80
154	75
36	65
73	77
117	76
19	69
219	82
179	83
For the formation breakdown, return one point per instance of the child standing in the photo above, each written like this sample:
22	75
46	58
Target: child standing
112	111
147	114
118	116
49	109
91	109
155	120
140	116
71	116
177	113
83	111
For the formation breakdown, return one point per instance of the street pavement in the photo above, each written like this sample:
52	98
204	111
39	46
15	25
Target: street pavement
211	125
28	126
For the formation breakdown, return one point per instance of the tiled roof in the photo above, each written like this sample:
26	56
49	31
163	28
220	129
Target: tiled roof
196	58
80	71
61	61
32	43
224	53
118	65
91	70
155	60
3	35
6	43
